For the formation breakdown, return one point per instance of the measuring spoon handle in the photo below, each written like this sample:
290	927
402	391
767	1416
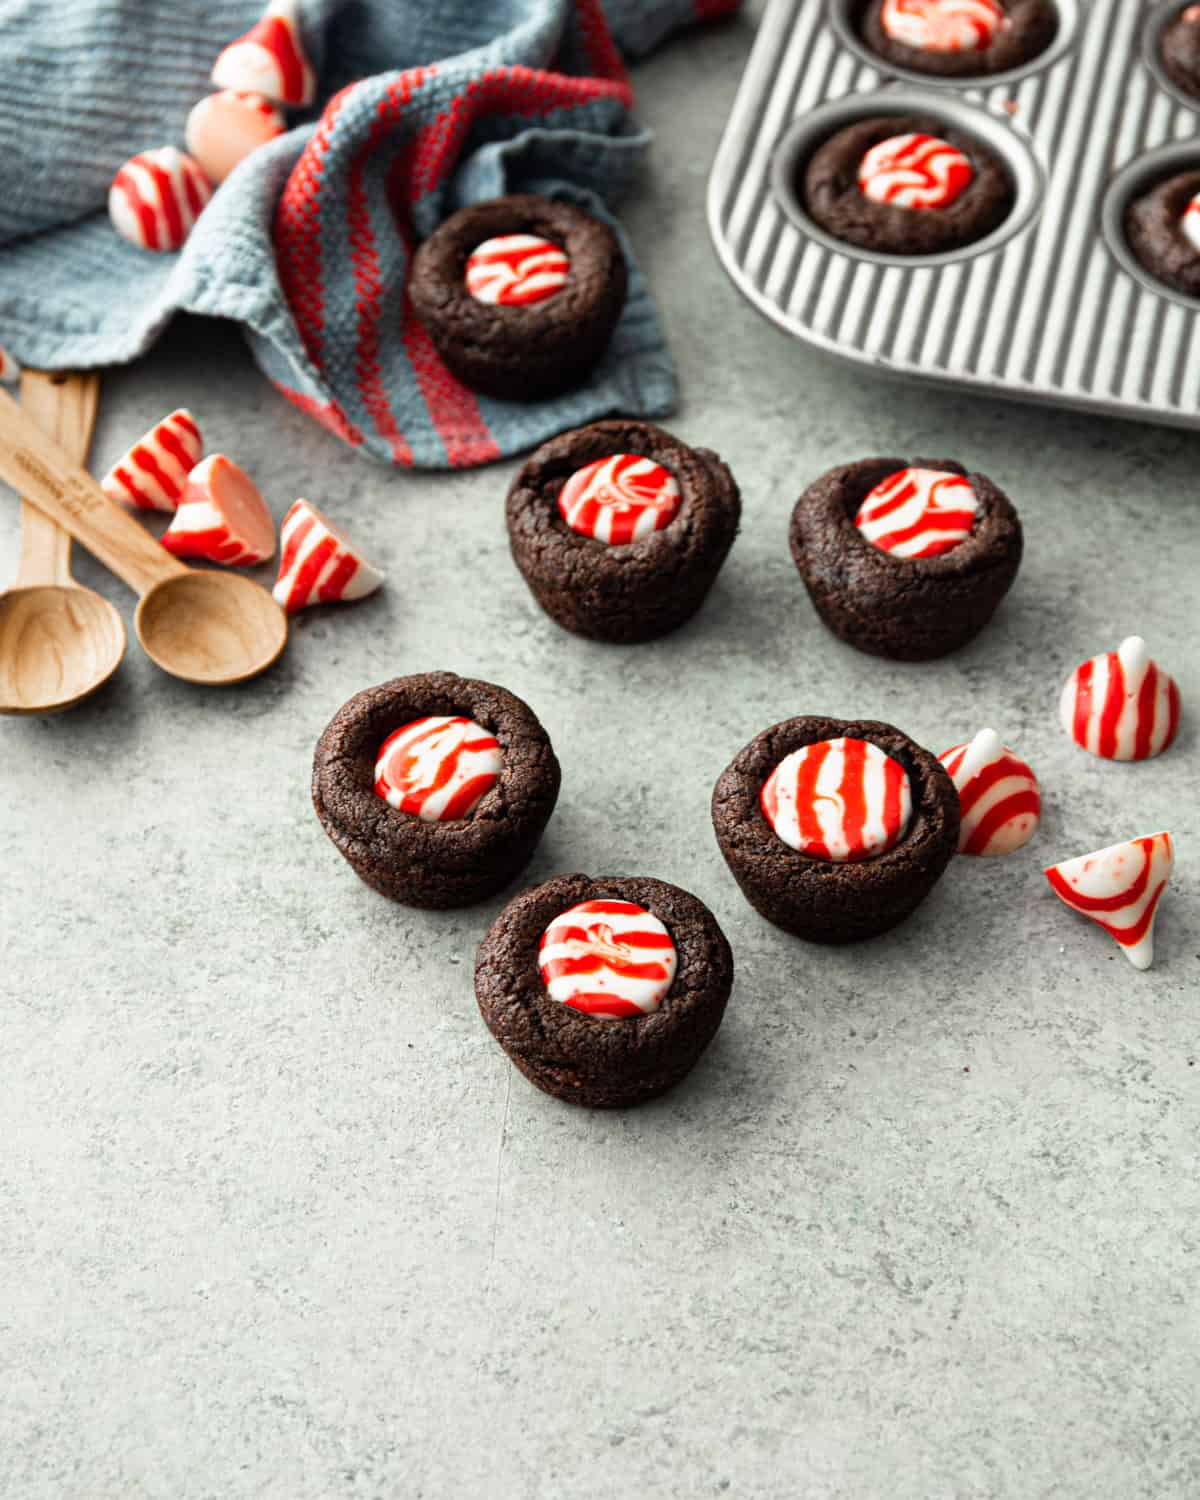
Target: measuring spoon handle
38	469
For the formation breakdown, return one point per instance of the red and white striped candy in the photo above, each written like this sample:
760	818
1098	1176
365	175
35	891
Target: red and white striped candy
153	473
223	129
438	768
619	499
514	270
221	517
318	564
1119	705
918	513
842	799
156	198
269	59
997	795
609	959
914	171
1119	889
943	25
10	370
1190	223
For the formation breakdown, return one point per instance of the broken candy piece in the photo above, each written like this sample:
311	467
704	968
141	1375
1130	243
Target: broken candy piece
270	59
221	517
156	198
318	563
1120	705
225	128
1119	888
153	474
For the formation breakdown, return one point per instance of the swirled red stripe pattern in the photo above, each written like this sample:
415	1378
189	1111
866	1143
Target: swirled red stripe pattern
843	799
516	270
1120	705
943	25
620	499
438	767
318	563
998	795
612	960
918	513
914	171
1119	888
270	59
156	198
153	473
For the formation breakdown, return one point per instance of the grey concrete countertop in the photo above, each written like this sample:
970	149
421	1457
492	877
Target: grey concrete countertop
278	1219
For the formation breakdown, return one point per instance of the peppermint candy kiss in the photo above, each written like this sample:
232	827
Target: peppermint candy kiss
943	25
609	959
153	473
1119	705
318	564
1190	223
221	516
842	799
269	59
156	198
515	270
224	128
619	499
914	171
997	795
1119	888
918	513
438	768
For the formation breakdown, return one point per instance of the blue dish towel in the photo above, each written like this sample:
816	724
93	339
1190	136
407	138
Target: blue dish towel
427	105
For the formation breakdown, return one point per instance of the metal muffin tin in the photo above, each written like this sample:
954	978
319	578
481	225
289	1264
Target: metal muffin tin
1052	306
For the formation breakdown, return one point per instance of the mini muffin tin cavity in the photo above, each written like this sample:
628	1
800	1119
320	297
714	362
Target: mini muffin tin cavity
1052	306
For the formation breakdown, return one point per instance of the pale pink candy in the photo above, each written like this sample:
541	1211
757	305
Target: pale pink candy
10	370
156	198
222	516
319	564
1119	888
223	129
153	473
270	59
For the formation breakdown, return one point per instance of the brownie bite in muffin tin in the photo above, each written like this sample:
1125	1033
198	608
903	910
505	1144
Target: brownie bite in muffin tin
1163	230
604	992
620	529
435	788
1179	50
959	38
520	295
906	185
905	558
835	830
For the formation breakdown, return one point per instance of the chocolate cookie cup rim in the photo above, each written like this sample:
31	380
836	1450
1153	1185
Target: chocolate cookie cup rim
419	840
920	765
640	1041
660	448
448	243
845	19
1154	27
804	136
1136	178
974	549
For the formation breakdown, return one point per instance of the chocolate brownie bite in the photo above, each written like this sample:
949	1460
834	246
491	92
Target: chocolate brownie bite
520	295
620	529
1179	49
906	185
905	558
1163	230
435	788
959	38
604	992
835	829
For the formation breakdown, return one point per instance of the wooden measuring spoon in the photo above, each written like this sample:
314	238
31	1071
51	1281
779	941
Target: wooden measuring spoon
58	641
213	628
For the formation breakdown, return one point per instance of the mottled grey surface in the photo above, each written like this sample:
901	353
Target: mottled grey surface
276	1217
